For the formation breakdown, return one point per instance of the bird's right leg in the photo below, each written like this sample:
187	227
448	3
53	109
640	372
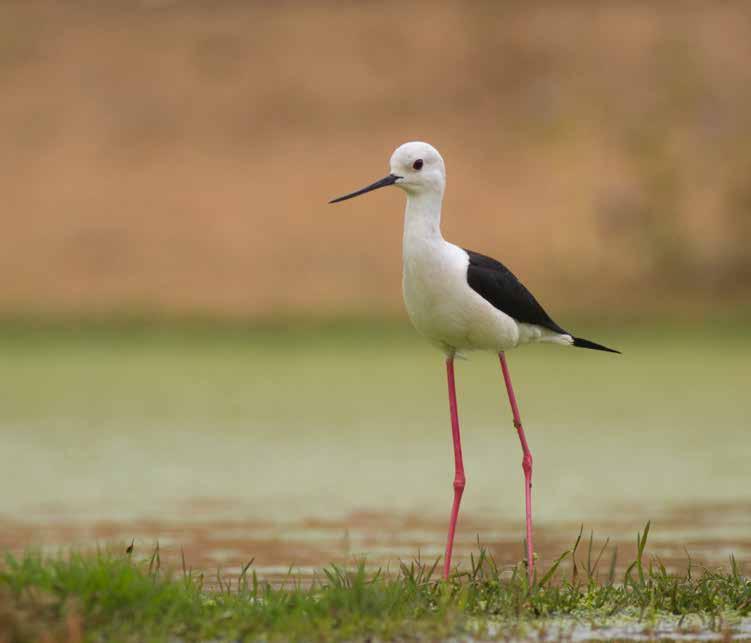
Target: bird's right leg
459	479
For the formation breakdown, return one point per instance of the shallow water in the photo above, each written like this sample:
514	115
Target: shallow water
300	447
625	629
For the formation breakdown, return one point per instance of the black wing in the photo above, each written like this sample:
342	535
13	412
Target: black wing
497	284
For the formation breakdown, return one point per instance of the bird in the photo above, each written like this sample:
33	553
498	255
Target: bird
461	301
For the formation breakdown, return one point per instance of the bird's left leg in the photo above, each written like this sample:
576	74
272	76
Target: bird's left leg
526	463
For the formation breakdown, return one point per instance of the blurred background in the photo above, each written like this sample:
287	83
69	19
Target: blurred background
191	336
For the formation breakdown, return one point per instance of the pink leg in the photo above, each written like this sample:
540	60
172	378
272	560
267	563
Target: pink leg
526	463
458	466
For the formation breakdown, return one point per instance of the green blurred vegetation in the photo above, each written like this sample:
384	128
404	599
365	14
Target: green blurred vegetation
158	411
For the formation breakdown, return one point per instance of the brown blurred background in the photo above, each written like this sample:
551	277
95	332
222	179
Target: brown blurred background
176	157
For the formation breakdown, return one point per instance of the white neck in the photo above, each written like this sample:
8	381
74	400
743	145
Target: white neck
422	218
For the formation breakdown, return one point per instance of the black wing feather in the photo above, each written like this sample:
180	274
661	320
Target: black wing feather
494	282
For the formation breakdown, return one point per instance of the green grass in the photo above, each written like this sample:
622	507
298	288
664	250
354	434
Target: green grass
105	595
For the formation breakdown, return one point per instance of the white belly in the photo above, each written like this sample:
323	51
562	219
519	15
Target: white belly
444	308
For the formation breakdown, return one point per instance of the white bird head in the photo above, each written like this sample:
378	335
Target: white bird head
416	167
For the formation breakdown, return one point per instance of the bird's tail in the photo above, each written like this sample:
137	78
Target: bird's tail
585	343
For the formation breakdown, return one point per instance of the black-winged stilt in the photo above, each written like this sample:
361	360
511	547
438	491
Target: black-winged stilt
461	300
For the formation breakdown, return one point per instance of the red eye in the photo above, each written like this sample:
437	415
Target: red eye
417	164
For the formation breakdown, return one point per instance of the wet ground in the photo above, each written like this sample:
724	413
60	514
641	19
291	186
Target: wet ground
709	534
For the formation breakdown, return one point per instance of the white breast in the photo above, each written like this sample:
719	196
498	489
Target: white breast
441	304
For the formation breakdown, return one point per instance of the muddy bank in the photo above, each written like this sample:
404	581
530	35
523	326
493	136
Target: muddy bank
708	533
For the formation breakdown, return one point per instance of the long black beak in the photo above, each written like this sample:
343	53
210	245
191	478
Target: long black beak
382	183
